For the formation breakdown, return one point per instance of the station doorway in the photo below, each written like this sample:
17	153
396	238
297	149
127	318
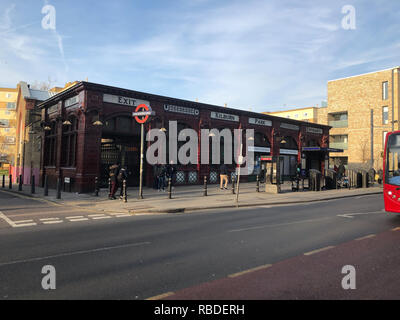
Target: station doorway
122	150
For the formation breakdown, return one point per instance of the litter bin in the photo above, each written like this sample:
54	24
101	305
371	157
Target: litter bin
330	179
364	179
359	181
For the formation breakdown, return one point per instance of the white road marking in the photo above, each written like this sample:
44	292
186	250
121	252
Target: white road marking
25	225
120	215
279	224
98	216
16	224
351	215
51	220
2	264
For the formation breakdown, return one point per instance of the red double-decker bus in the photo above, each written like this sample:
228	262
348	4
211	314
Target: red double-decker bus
391	172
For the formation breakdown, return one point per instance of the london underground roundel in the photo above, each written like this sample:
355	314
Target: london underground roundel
142	113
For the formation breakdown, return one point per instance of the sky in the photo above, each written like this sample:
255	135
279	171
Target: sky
251	55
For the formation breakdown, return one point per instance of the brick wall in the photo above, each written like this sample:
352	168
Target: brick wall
357	96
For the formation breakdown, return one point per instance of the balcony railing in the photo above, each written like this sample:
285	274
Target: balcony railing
338	123
338	145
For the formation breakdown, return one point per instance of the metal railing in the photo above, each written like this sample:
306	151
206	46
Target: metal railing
338	145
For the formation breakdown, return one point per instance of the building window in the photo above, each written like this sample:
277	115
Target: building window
338	120
338	142
11	105
296	115
4	123
51	145
385	91
385	115
69	139
306	114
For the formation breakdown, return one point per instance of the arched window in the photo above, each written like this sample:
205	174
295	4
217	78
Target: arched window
51	145
69	141
289	143
261	140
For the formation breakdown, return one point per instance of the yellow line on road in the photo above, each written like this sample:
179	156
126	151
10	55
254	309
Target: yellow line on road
318	250
234	275
366	237
161	296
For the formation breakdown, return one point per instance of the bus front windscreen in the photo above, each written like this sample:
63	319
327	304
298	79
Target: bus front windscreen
393	160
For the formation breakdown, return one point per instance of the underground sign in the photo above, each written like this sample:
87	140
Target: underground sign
142	113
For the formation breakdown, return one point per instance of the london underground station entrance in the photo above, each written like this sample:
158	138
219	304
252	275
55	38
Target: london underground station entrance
120	143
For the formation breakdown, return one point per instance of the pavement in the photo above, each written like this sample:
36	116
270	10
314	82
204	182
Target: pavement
188	198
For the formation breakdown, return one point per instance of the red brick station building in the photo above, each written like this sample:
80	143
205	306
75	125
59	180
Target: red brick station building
90	126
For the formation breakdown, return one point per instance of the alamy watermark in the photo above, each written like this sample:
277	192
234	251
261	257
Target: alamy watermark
49	20
349	281
195	147
349	20
49	280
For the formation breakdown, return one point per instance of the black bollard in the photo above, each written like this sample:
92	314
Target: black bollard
58	188
96	186
125	195
10	182
46	186
32	184
20	183
205	186
3	185
233	185
169	188
258	184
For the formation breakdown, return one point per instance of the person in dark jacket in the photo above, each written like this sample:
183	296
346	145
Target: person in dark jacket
170	172
223	175
122	175
114	169
161	177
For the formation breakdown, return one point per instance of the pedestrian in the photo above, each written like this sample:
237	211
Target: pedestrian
122	175
170	172
223	176
155	176
161	177
113	173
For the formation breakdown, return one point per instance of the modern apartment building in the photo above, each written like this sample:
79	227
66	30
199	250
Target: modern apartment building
361	110
8	104
309	114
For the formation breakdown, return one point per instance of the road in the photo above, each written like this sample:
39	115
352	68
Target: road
138	257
